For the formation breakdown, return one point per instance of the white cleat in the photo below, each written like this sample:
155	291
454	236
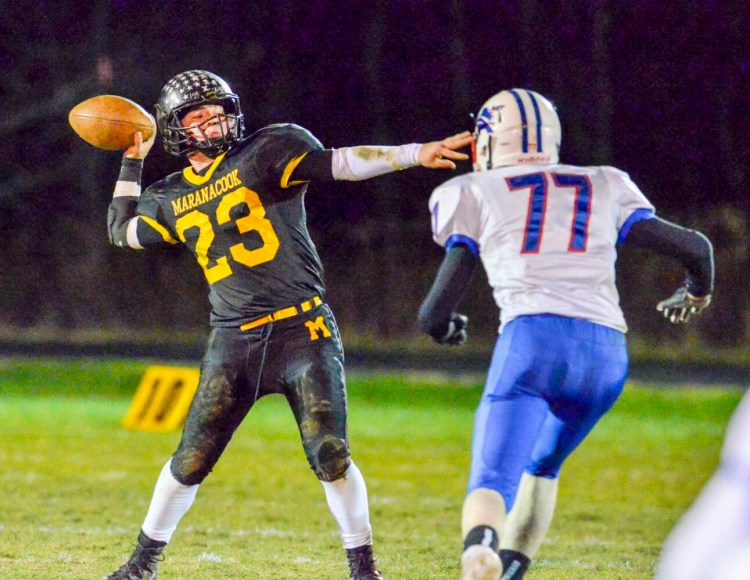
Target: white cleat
480	563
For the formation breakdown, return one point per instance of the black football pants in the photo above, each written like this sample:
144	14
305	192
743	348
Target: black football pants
300	357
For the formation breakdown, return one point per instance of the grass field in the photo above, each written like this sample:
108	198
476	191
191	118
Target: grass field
75	485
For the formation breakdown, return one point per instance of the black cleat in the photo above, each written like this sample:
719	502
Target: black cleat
142	563
362	564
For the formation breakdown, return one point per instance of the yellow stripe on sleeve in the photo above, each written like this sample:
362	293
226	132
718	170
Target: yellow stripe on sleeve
288	170
159	228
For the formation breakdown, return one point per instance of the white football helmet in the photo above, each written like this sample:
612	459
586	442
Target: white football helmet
516	126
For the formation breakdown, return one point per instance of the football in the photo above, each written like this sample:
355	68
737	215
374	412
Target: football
109	122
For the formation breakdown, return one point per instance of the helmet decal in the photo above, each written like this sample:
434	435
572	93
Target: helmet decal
484	121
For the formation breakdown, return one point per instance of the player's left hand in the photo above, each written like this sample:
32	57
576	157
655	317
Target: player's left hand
438	154
679	307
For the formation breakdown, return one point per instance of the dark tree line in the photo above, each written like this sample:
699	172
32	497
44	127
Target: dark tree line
661	91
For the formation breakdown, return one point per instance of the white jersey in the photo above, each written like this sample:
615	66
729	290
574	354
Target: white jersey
546	235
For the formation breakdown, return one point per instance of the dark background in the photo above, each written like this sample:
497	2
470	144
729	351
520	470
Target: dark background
658	89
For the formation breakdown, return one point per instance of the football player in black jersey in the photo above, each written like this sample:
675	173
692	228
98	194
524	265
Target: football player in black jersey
239	208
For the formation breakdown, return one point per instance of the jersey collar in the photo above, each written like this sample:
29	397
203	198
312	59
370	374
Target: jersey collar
199	179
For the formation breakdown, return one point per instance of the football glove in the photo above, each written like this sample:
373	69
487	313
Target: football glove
456	333
679	307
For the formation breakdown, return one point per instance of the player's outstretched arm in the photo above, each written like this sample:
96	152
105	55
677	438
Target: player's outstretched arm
366	161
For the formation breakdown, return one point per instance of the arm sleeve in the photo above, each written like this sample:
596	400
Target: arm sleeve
126	228
451	282
691	247
354	163
119	215
122	210
366	161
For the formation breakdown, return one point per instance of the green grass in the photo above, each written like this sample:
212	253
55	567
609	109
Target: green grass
74	485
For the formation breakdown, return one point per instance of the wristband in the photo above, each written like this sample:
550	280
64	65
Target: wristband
129	181
131	170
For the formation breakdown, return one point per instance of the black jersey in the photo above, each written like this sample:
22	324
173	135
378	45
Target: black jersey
245	223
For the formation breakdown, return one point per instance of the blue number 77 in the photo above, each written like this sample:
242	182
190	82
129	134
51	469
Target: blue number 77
537	183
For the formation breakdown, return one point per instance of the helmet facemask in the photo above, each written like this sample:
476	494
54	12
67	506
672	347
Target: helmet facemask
185	136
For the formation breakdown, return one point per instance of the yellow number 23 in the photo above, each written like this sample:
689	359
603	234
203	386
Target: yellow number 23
255	221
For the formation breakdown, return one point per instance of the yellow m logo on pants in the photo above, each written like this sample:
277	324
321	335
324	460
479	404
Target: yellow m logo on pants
316	326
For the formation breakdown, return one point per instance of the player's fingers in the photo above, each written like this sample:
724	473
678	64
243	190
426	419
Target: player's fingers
446	152
441	163
438	161
460	136
458	141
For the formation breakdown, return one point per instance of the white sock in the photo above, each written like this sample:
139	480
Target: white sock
347	500
171	501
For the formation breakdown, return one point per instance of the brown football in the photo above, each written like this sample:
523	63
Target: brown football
109	121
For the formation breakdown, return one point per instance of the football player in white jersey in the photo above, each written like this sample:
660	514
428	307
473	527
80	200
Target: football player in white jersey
712	539
546	234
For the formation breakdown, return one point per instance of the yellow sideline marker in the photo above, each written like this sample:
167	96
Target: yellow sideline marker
162	399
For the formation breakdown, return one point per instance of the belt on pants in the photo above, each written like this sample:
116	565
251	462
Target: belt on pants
283	313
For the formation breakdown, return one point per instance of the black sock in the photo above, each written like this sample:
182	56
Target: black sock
515	564
482	535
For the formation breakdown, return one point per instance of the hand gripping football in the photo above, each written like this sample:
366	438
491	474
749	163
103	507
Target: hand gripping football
109	122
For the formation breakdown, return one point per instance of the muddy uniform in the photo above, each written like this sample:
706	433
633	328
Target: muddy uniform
243	218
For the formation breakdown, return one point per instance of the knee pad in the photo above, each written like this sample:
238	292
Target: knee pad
191	470
330	458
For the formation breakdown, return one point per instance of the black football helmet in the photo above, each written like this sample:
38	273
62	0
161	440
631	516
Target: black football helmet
191	89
